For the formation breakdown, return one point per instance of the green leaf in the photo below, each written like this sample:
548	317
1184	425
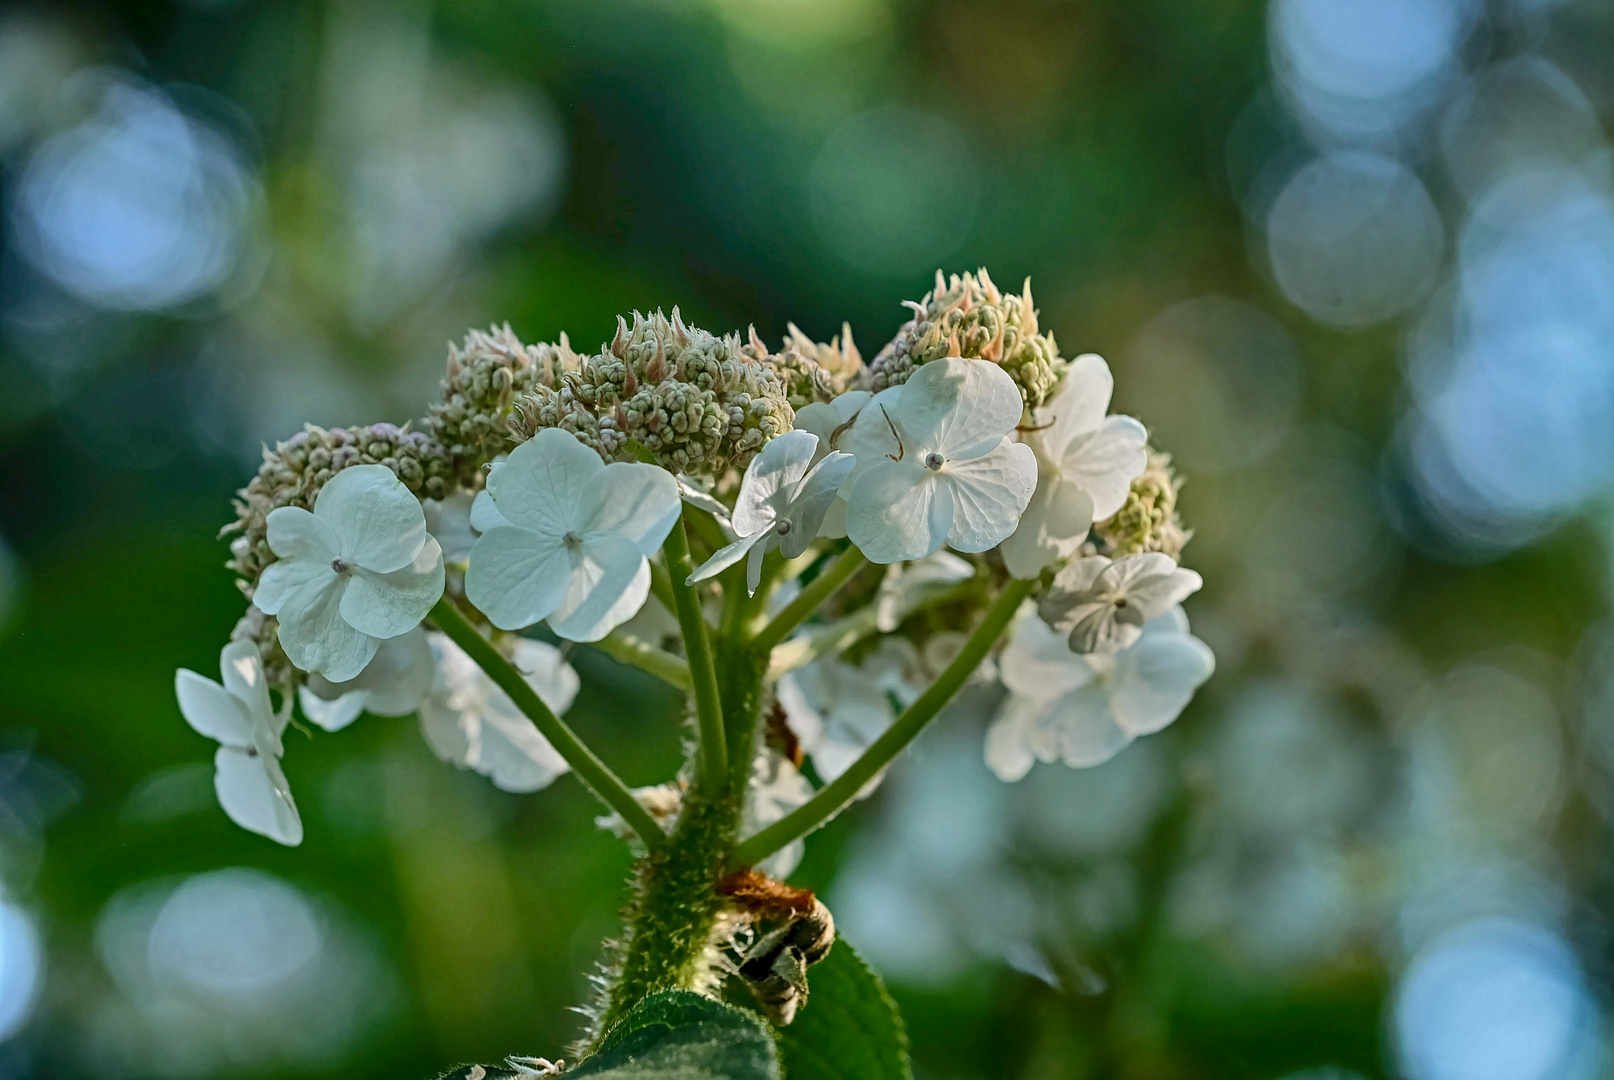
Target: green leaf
849	1029
683	1036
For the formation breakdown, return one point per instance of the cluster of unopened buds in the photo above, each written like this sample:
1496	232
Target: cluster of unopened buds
708	510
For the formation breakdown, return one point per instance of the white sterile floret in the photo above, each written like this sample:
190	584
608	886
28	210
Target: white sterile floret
358	570
782	503
236	714
836	710
1086	462
935	465
391	684
469	721
1083	710
829	420
1103	605
565	537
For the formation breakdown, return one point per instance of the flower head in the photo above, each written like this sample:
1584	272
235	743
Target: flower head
1085	464
1083	710
812	371
467	720
1103	605
357	570
391	684
696	402
935	465
1147	520
565	537
782	503
236	714
968	315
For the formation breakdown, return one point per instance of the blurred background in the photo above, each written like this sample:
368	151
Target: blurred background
1352	261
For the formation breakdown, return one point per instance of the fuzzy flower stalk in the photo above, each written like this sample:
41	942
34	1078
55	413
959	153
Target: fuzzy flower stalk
816	553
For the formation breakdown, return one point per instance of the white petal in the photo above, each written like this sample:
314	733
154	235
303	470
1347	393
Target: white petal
241	666
253	792
958	407
1037	663
1105	463
485	515
1156	678
723	558
812	502
771	480
516	576
825	419
330	713
1155	593
701	500
753	565
212	710
295	535
511	752
800	716
1078	405
1174	621
1080	728
870	439
989	492
897	511
386	605
637	500
547	672
1008	740
317	638
1054	524
280	580
546	482
1102	628
834	523
609	582
378	524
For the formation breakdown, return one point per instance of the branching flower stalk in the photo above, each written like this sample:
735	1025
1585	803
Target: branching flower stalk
1024	533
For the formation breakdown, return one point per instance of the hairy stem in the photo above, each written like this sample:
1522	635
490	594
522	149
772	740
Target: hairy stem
834	576
627	649
834	796
714	756
594	773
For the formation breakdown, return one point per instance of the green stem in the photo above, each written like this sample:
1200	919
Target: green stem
661	586
835	795
626	649
594	773
703	678
834	576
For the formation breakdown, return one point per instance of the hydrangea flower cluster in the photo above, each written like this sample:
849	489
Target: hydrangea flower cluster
818	555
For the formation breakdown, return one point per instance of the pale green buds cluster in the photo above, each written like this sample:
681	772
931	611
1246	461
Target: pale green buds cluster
485	376
295	470
1148	520
696	402
969	316
264	632
812	371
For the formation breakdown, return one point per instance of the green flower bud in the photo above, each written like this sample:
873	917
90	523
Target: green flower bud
1148	520
969	316
811	371
698	403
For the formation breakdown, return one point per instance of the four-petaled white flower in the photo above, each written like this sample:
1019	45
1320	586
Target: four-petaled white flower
391	684
237	715
935	464
358	570
469	721
1083	710
1103	605
565	537
1086	462
782	503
